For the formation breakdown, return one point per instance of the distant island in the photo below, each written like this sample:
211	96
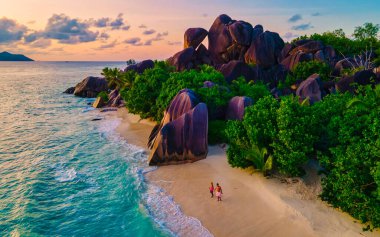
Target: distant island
5	56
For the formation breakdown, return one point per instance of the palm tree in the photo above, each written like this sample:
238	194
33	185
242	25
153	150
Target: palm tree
114	77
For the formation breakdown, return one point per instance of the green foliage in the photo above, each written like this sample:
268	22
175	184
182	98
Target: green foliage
305	69
367	31
238	144
240	87
351	71
365	39
104	96
297	134
352	183
193	79
131	62
141	97
216	132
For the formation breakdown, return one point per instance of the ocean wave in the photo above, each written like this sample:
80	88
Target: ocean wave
65	175
159	205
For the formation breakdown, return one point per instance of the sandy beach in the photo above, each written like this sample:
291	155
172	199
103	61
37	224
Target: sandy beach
252	204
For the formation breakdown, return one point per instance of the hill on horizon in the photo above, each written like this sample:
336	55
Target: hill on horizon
6	56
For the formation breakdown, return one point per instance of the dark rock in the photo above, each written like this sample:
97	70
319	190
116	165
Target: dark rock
141	66
301	42
208	84
319	56
203	55
291	61
194	36
69	90
235	69
90	87
219	39
271	76
265	50
365	77
183	102
329	53
310	88
346	63
285	52
309	47
183	60
241	32
344	85
183	140
108	110
256	31
114	99
96	119
236	107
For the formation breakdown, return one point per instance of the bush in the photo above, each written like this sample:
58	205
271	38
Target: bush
141	98
192	79
352	181
240	87
216	132
104	96
305	69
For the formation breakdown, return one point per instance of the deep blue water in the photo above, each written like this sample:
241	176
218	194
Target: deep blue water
62	174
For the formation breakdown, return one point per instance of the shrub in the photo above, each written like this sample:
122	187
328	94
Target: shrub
240	87
141	98
216	132
352	181
104	96
192	79
305	69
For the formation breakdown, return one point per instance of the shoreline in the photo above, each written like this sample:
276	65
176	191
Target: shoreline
252	204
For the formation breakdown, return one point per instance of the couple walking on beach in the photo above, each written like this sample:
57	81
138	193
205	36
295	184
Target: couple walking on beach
218	191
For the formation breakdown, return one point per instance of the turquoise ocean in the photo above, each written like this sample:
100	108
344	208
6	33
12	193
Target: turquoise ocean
62	174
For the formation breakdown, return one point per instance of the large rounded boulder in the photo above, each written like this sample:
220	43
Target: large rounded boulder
141	66
219	39
183	102
236	107
265	50
311	89
91	87
183	60
183	140
235	69
193	37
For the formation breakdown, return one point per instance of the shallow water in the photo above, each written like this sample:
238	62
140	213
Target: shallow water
62	174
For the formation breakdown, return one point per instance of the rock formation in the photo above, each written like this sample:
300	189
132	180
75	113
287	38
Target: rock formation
182	135
90	87
141	66
310	88
194	36
236	107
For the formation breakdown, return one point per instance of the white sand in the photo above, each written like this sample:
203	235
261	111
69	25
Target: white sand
252	205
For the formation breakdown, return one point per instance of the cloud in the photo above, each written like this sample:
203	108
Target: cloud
110	45
41	43
11	31
118	22
316	14
142	26
158	37
31	22
102	22
175	43
104	35
133	41
295	18
148	42
290	35
149	32
302	27
126	27
69	31
204	15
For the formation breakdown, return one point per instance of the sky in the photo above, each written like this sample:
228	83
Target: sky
118	30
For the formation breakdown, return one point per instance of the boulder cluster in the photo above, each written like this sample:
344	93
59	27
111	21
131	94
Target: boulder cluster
235	48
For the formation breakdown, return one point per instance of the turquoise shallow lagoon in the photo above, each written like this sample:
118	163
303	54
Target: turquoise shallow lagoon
62	174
